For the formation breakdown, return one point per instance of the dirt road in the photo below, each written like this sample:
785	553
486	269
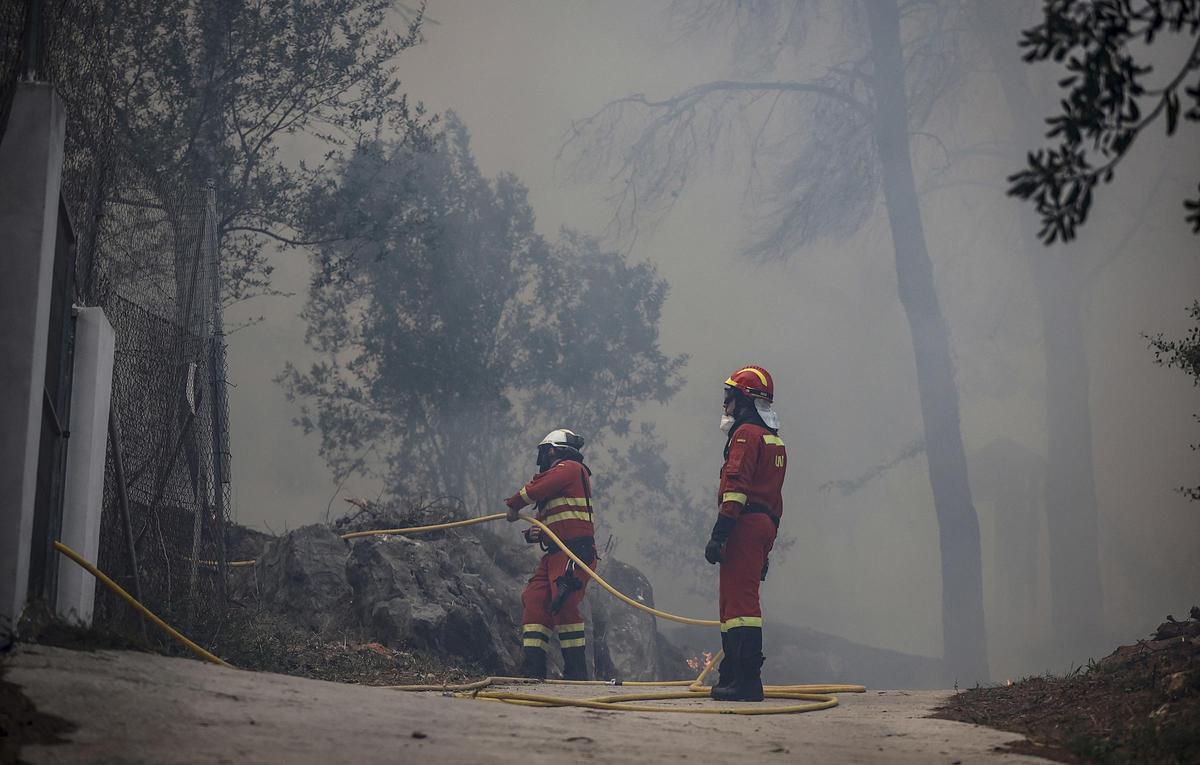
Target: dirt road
138	708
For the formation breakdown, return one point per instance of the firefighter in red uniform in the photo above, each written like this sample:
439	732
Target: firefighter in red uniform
562	493
751	504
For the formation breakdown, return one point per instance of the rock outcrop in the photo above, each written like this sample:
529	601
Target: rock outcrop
303	575
624	641
454	593
440	595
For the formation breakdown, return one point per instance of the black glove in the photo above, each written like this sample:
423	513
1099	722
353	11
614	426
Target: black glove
720	533
766	565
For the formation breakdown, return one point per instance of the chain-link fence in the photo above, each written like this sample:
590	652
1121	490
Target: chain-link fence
157	260
13	22
147	254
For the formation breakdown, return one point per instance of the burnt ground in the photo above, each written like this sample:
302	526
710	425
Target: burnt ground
1140	704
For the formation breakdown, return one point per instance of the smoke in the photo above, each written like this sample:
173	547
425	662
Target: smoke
828	325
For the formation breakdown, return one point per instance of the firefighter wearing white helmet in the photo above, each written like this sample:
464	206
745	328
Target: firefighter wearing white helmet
562	494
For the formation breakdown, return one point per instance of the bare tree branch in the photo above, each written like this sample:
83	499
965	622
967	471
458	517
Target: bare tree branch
649	148
717	86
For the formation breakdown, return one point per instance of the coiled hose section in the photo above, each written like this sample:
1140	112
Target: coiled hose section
816	697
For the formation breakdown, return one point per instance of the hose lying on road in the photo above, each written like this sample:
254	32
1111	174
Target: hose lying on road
816	696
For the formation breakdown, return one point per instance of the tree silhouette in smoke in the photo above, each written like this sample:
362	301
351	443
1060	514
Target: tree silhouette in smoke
828	146
1108	104
455	335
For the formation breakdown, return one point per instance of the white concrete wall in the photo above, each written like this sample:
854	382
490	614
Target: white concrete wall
31	157
83	496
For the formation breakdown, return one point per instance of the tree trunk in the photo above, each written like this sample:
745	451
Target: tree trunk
1070	491
963	634
1077	604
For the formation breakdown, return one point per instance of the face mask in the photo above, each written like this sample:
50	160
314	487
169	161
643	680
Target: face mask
726	423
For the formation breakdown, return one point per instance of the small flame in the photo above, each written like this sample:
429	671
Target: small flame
1008	681
696	663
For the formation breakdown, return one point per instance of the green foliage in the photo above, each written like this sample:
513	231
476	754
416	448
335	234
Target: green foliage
195	91
455	335
1183	353
1107	103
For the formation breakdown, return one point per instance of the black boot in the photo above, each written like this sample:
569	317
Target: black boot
745	645
728	676
534	664
751	680
575	663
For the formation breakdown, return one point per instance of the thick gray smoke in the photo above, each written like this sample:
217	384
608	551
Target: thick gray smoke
827	323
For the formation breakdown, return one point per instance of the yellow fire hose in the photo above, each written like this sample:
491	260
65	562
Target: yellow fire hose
817	696
545	530
146	612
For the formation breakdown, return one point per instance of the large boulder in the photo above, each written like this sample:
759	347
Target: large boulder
624	641
441	595
302	575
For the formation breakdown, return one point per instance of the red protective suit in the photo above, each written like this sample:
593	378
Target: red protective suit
752	477
562	495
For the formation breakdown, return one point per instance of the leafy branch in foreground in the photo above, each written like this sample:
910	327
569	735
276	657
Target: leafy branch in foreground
1108	104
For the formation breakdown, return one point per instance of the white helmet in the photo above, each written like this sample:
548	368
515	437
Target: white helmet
558	439
563	439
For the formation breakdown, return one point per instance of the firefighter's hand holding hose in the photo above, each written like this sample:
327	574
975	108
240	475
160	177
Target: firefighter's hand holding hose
512	514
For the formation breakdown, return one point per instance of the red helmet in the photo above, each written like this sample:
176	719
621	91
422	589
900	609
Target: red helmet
753	381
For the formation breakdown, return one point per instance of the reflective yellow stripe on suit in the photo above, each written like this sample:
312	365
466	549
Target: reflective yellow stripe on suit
570	501
741	621
538	628
571	635
567	515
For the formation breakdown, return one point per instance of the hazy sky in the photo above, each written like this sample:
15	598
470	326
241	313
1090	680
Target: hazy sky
827	324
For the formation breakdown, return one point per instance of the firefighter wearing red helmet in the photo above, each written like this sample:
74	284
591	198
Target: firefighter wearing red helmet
751	504
562	494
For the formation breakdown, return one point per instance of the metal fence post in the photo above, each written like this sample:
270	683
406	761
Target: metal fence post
220	431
